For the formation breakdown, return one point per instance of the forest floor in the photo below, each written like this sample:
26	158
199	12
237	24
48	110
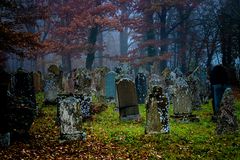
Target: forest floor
109	138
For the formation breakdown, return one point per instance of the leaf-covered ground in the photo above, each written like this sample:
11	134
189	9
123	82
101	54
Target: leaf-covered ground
109	138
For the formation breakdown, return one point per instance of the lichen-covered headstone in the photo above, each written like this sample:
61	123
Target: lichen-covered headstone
227	120
110	87
194	88
51	89
157	112
127	99
141	87
182	104
70	119
82	81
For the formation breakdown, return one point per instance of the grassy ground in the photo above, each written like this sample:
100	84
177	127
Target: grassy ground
109	138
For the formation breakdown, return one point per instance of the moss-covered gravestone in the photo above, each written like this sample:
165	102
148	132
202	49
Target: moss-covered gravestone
227	120
70	118
127	99
157	112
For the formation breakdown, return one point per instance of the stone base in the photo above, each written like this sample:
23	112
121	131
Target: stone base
185	118
72	137
130	117
5	139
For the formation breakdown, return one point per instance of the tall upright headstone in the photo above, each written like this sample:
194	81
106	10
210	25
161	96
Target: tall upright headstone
182	104
157	112
141	87
37	81
194	88
127	99
110	87
4	87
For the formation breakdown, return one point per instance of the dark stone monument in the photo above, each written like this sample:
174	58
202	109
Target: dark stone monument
127	99
4	100
157	112
141	87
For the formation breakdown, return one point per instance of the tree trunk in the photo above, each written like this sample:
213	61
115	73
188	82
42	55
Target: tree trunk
163	34
91	51
124	42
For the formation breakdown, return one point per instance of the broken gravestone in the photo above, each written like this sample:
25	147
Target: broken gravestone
127	99
141	87
157	112
70	118
227	120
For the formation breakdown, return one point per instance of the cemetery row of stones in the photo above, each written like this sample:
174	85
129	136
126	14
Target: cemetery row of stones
73	94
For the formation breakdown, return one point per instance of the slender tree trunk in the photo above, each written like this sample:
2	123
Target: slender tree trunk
124	41
163	34
91	51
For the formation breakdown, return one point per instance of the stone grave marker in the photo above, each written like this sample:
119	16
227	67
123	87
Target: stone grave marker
141	87
157	118
4	129
227	120
182	103
50	89
194	88
127	99
110	87
70	117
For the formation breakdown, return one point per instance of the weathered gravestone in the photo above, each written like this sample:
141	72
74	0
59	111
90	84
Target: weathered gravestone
50	89
157	112
194	88
182	104
141	87
110	87
227	120
127	99
70	117
4	129
82	81
68	84
22	107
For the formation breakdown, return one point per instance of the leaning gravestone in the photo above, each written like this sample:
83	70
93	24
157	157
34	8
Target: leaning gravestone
157	112
127	99
141	87
4	129
227	120
182	104
70	119
110	88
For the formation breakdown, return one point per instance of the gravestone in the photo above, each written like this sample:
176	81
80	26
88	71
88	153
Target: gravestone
22	107
194	87
50	89
141	87
154	79
68	84
4	100
110	87
82	81
227	120
157	112
70	119
127	99
182	104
